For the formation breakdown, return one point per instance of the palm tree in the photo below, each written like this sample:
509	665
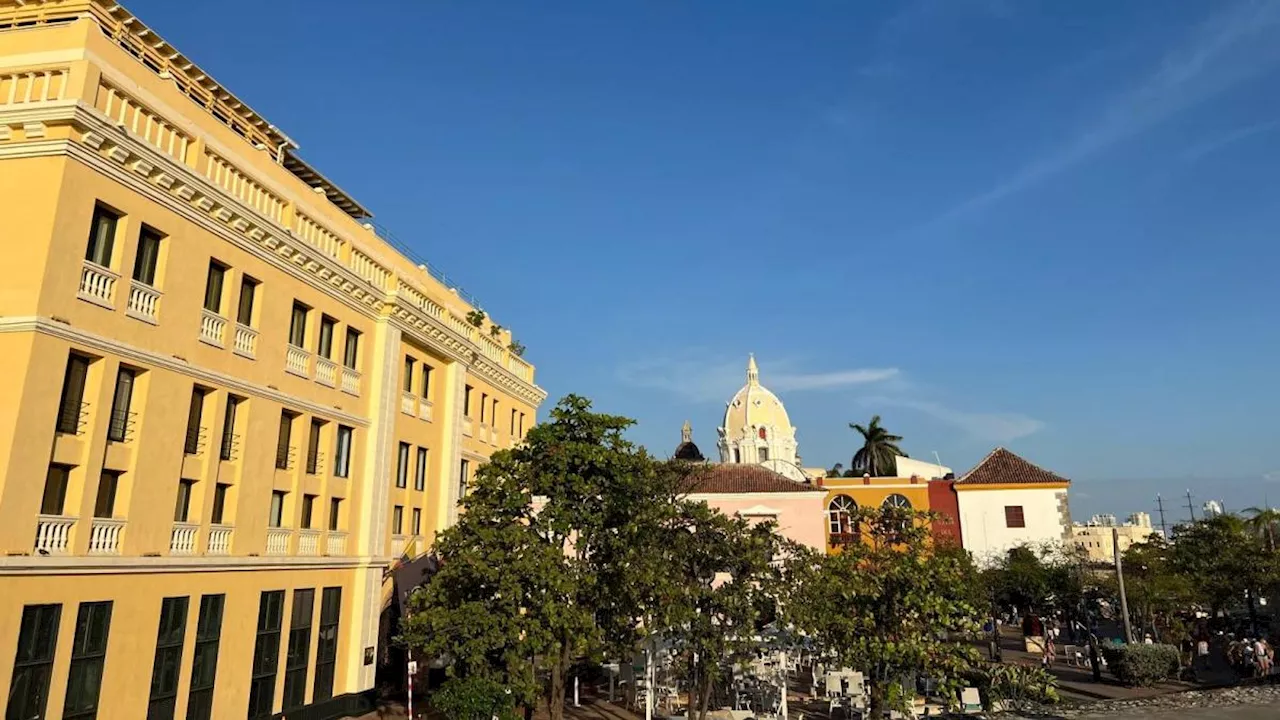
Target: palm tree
1265	523
878	448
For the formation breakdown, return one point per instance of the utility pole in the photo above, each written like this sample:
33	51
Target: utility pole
1164	530
1124	599
1191	508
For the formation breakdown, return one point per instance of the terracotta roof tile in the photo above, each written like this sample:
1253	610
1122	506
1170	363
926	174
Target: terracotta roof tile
734	478
1002	466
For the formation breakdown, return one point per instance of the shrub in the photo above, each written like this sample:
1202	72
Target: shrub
1142	664
474	698
1016	687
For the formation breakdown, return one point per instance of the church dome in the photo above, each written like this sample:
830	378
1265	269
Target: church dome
687	450
756	425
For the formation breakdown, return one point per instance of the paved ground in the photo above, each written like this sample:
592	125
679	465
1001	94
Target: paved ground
1240	703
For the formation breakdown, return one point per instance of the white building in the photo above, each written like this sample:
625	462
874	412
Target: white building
757	430
1005	501
907	467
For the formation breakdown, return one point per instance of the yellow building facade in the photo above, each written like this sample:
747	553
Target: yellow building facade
845	495
230	403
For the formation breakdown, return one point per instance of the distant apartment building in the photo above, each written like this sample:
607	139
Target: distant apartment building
1094	538
228	403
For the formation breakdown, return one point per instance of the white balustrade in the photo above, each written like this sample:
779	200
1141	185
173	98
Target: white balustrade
246	342
104	536
182	541
491	348
53	534
219	539
278	541
326	372
397	545
466	426
212	327
406	403
98	284
336	543
483	435
297	361
424	409
520	368
308	542
144	302
350	381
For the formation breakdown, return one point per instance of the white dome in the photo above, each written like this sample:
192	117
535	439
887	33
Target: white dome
756	427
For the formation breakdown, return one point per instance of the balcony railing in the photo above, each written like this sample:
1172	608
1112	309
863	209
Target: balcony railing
466	426
308	542
335	543
230	447
98	284
350	381
182	539
195	441
212	328
219	539
144	302
407	403
326	372
104	536
397	544
315	463
246	343
120	429
53	534
424	409
297	361
285	455
72	419
485	434
278	541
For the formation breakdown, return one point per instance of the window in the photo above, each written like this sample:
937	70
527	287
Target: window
327	643
896	502
195	413
313	446
295	663
120	424
840	515
229	437
204	666
183	505
105	504
484	401
213	286
397	520
493	415
762	454
351	350
276	518
168	663
342	453
248	293
1013	516
335	511
466	400
298	325
283	450
402	466
219	503
33	662
737	455
463	471
408	374
324	344
102	236
144	263
308	504
266	654
426	381
513	423
55	490
420	472
84	680
417	521
71	405
521	425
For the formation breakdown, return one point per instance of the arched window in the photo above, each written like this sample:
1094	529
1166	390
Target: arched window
839	515
897	502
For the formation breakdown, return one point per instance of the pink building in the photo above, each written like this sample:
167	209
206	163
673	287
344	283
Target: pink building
760	494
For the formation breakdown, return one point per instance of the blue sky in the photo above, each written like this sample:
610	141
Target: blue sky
1050	226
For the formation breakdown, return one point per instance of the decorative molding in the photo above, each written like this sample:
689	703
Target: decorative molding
114	565
147	357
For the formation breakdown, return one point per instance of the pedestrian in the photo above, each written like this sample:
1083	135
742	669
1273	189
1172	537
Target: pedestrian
1261	658
1050	652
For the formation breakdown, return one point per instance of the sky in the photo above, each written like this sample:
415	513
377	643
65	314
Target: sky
1047	226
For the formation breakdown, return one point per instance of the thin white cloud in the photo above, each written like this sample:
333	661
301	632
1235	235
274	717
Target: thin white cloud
992	427
704	379
1213	145
1273	476
1231	47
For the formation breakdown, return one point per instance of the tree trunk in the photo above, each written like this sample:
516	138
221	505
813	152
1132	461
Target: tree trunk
704	696
1253	613
877	699
555	693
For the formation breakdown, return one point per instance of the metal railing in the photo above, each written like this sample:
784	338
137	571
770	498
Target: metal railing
230	447
195	441
72	419
315	463
285	455
120	429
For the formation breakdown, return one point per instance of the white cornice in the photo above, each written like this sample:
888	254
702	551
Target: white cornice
108	565
168	362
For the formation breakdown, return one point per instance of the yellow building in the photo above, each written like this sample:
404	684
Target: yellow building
1094	538
846	494
229	402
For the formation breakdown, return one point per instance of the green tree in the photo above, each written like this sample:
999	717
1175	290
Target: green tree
876	456
552	558
1265	523
835	470
1223	562
1155	590
890	606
